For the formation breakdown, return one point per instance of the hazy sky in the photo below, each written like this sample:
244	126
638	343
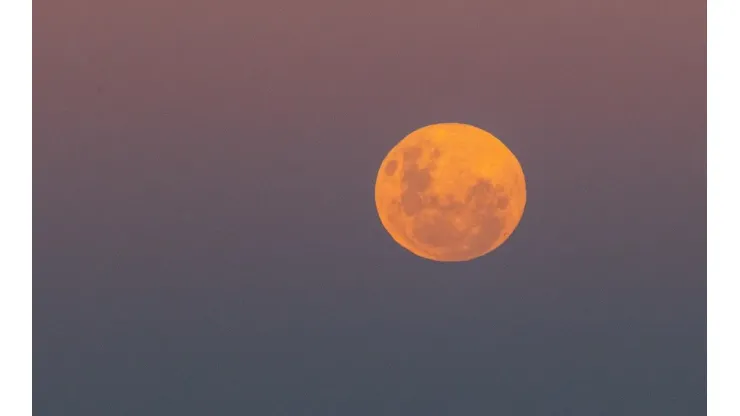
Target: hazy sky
206	241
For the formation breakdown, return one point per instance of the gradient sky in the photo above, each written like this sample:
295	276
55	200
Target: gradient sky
206	241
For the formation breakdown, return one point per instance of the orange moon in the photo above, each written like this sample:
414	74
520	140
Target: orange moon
450	192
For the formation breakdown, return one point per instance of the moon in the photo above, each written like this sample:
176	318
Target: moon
450	192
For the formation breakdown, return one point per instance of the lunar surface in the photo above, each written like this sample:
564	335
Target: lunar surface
450	192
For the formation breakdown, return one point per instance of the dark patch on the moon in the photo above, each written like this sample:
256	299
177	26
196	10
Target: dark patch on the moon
391	167
448	201
490	229
483	229
411	155
414	181
411	203
483	193
480	194
439	232
457	229
502	198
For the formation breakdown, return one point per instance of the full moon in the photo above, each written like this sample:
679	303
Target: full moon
450	192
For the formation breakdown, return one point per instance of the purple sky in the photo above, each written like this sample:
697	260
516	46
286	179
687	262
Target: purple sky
205	236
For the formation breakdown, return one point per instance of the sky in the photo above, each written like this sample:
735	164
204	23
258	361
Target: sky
205	233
